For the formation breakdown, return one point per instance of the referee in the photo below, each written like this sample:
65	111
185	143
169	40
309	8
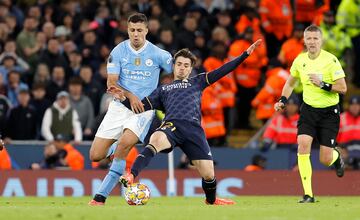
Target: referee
323	79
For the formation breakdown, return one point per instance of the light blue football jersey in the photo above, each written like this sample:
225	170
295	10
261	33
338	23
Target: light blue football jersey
139	70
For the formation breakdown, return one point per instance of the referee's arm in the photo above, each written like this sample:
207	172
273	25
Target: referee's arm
286	92
339	85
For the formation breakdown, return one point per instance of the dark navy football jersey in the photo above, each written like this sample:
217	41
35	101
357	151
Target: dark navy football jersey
180	99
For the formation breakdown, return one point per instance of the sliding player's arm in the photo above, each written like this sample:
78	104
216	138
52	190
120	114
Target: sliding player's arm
217	74
151	102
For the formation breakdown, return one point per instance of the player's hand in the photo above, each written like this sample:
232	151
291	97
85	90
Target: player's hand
136	105
315	79
253	46
116	92
279	106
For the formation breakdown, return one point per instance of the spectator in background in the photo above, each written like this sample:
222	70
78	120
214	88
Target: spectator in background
74	159
347	18
42	74
258	163
154	27
224	20
48	28
349	133
40	103
53	158
89	49
5	106
82	104
21	123
268	95
10	49
91	88
166	21
292	47
336	40
8	63
13	86
167	41
225	88
28	46
247	76
58	83
5	160
75	60
52	56
277	21
282	130
61	118
186	35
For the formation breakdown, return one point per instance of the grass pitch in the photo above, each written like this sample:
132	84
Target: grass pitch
247	207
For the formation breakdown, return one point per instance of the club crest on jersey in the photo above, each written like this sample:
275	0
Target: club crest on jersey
137	61
149	62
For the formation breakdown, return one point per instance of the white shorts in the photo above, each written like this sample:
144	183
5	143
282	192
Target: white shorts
118	118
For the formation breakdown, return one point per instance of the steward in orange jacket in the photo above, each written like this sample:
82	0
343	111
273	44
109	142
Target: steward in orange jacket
276	17
349	133
5	160
271	91
282	130
212	114
306	10
74	159
248	73
292	47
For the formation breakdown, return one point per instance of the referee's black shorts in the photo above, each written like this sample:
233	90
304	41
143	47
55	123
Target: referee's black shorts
320	123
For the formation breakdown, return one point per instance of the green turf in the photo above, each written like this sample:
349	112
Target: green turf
247	207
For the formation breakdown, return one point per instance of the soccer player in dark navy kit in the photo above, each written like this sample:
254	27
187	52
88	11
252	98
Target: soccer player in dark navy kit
181	126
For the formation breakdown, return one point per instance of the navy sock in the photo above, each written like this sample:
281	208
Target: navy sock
143	159
209	188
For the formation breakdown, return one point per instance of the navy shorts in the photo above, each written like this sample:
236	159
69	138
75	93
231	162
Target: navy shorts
320	123
190	137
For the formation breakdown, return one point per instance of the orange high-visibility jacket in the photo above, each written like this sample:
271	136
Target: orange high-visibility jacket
270	93
282	130
226	85
276	17
248	73
318	18
349	128
74	159
252	167
5	160
290	49
212	113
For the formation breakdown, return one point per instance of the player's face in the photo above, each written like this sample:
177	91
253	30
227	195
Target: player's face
137	33
182	68
313	41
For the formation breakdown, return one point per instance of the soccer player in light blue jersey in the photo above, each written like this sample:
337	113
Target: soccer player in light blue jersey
133	66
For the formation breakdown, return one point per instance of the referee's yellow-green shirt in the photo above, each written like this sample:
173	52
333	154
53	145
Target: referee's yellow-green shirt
327	67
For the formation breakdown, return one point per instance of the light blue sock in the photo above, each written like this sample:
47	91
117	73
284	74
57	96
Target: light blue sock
112	178
112	149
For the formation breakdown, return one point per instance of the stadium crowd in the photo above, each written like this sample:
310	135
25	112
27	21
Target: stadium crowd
53	56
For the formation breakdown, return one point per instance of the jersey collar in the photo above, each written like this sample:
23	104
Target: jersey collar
139	50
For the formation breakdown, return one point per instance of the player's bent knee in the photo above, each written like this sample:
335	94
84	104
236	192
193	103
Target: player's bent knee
325	159
159	139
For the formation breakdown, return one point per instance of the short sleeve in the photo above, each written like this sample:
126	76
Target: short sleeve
113	63
336	70
294	70
166	61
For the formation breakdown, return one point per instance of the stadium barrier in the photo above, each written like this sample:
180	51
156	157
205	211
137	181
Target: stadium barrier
187	183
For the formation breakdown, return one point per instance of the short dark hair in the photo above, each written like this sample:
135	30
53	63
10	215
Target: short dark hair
187	54
138	18
313	28
75	80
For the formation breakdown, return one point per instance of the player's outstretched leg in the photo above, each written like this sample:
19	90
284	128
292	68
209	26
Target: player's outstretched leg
142	160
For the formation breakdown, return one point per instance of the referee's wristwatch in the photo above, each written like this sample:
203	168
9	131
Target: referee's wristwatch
325	86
